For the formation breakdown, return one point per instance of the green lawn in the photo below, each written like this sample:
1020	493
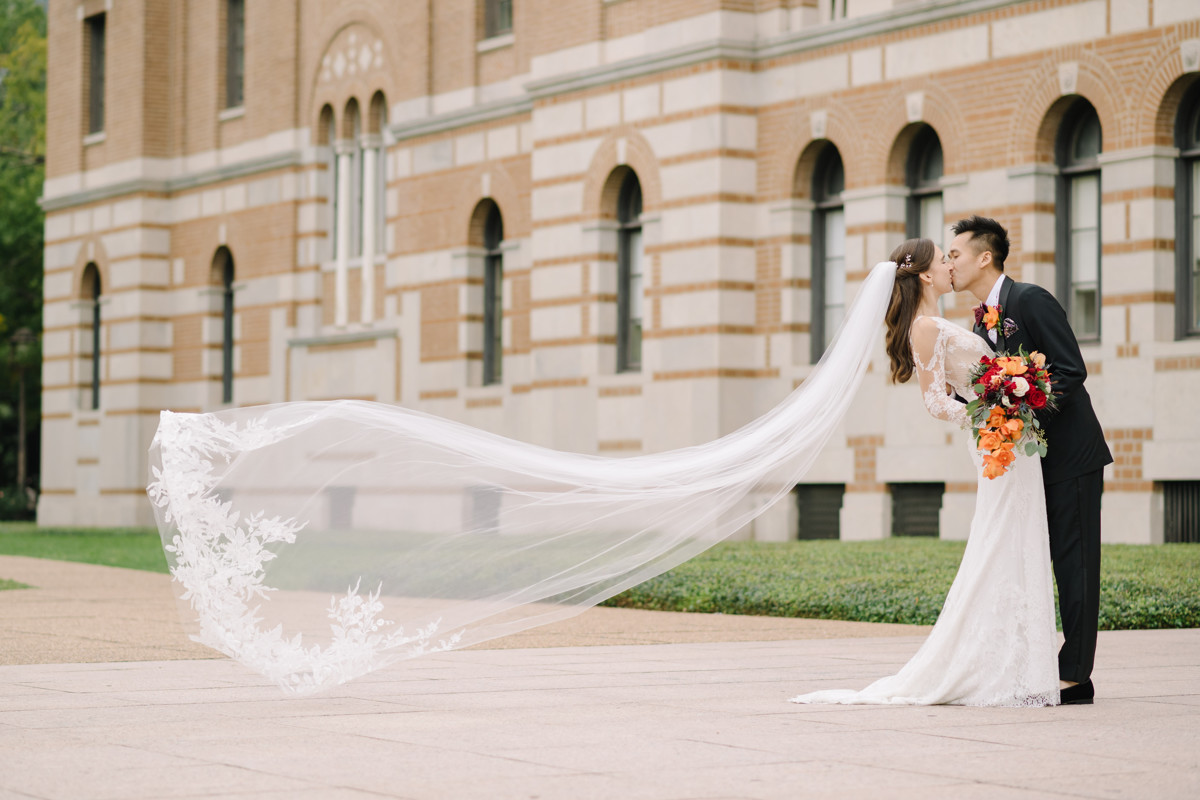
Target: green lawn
895	580
136	548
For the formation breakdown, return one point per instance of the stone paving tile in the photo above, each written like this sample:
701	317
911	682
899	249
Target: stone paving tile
660	722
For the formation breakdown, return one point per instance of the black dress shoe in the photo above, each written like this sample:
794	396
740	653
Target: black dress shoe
1081	694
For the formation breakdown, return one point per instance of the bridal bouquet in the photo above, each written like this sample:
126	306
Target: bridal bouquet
1009	390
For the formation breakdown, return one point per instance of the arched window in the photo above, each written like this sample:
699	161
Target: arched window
377	125
629	275
356	179
1187	216
326	136
91	292
223	271
493	297
924	177
1078	218
828	250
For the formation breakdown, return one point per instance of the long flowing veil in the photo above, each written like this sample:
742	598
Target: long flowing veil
317	541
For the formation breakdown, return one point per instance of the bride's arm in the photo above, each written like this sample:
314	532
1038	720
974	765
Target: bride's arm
929	352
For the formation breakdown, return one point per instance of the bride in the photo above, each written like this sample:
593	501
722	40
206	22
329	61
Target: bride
994	643
315	542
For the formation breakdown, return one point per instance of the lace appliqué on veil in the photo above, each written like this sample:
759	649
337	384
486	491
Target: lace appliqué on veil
219	562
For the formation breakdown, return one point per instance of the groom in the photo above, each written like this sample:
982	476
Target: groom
1026	315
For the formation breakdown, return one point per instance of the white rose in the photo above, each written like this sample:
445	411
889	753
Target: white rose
1020	386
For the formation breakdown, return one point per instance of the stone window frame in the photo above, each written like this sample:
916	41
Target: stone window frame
1072	170
827	198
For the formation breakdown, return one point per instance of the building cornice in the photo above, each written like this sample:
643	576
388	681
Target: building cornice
461	118
250	166
787	44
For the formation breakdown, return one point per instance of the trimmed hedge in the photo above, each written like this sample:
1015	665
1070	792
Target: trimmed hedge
902	581
895	580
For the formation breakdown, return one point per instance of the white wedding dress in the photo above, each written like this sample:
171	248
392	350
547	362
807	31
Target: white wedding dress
994	644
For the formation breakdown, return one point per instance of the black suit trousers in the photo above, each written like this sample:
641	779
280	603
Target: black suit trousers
1073	513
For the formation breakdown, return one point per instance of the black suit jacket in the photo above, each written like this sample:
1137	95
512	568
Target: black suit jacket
1074	437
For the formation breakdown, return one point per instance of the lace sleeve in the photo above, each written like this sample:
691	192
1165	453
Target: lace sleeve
929	357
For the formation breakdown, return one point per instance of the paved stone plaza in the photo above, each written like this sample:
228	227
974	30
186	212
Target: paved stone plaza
701	714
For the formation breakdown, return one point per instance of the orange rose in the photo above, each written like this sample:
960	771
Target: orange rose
992	317
992	469
1012	366
990	440
1038	358
1005	454
997	417
1012	429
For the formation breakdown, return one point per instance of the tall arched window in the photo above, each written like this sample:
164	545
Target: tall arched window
356	181
829	249
629	275
924	177
1187	215
91	292
1078	218
326	136
223	271
493	298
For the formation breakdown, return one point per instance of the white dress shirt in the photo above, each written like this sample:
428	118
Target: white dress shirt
993	299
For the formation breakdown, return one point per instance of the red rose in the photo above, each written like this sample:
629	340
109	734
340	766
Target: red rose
1036	398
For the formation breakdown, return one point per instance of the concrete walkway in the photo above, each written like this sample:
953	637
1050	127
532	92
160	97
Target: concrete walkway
699	717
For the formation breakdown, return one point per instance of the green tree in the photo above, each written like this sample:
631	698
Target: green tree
22	158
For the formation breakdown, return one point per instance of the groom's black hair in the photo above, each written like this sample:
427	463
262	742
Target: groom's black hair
987	234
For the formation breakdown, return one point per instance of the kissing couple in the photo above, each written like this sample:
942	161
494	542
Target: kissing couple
994	641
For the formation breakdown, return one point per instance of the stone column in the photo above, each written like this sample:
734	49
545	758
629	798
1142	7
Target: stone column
370	178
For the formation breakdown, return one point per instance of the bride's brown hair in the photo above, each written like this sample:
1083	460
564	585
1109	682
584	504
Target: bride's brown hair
912	258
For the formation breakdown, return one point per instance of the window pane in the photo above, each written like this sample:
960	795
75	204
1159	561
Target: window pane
1084	262
498	17
1194	256
356	240
835	270
1087	138
493	318
933	223
635	275
1085	206
1085	309
96	46
1084	266
381	200
235	49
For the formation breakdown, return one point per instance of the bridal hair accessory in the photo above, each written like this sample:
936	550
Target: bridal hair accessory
1010	391
316	542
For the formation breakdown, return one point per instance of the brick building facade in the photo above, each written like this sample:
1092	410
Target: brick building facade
610	226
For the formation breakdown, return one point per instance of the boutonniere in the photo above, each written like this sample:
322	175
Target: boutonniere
989	317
